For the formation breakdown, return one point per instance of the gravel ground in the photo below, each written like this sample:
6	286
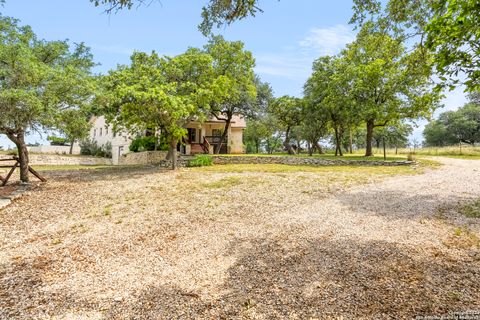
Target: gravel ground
143	244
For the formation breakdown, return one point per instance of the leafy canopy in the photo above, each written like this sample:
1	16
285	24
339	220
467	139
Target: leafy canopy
161	92
39	80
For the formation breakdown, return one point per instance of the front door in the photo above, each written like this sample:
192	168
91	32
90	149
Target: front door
192	135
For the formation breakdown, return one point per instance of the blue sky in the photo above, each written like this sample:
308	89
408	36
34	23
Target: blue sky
285	39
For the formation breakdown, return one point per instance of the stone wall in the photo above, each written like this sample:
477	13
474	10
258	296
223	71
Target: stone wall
146	157
302	161
53	159
219	160
55	149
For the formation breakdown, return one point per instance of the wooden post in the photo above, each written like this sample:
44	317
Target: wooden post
4	181
384	150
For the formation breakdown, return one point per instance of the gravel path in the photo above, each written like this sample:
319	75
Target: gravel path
387	250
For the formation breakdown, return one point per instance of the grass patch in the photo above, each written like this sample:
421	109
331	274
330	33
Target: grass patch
224	182
463	152
462	238
200	160
329	156
471	210
285	168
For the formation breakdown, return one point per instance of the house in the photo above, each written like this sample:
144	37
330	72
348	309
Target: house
202	137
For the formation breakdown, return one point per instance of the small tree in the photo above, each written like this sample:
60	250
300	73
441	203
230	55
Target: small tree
328	92
38	81
288	112
161	92
234	66
74	125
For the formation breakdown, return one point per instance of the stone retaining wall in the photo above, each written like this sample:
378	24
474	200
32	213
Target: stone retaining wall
302	161
219	160
53	159
146	157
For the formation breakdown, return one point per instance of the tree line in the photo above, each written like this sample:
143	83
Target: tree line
453	127
367	91
372	88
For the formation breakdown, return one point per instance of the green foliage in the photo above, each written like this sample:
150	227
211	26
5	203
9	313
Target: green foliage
216	14
288	113
472	210
91	148
39	80
200	160
74	124
328	93
57	141
446	28
143	144
388	83
462	125
233	67
161	92
395	135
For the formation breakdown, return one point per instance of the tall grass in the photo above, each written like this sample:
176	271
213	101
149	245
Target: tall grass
459	150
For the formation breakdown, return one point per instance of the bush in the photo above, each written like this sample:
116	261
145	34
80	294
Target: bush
140	144
411	156
200	161
57	141
91	148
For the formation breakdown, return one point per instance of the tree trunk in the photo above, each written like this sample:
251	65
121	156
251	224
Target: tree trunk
71	146
224	135
286	143
173	153
319	148
19	140
350	142
310	148
384	150
370	126
338	142
257	145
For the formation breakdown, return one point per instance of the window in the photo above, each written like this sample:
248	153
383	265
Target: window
94	132
106	130
100	132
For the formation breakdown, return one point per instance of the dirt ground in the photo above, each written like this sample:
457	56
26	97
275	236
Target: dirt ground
243	242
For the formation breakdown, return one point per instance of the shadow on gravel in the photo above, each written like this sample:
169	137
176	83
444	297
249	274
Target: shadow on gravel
116	174
397	204
273	279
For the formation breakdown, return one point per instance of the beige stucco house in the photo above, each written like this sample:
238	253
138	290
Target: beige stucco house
201	137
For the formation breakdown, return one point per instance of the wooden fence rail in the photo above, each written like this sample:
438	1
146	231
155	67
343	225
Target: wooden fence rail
12	168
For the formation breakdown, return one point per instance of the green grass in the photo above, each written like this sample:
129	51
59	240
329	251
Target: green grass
330	156
285	168
471	210
461	152
224	182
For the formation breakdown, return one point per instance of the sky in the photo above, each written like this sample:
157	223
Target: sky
284	39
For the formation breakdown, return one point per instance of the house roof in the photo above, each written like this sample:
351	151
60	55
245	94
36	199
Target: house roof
237	121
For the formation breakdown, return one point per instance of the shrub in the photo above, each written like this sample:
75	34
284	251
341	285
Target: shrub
140	144
91	148
200	161
57	141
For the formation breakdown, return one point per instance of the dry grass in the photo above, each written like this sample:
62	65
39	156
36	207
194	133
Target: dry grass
218	242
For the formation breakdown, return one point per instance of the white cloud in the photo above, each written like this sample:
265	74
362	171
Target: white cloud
283	64
329	40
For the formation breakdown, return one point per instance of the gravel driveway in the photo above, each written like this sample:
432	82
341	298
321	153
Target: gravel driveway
389	249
